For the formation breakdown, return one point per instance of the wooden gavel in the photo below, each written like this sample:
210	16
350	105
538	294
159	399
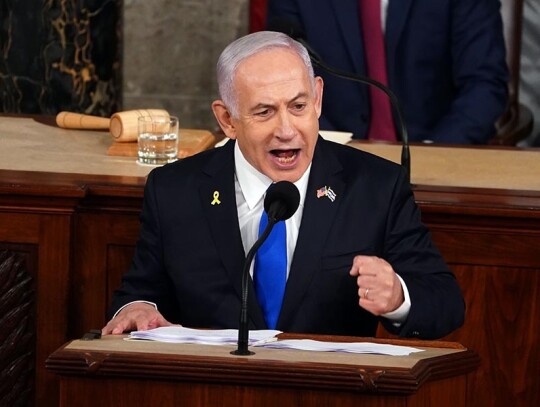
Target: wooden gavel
121	125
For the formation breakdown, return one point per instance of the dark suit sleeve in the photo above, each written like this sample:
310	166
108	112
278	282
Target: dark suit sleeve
146	279
437	305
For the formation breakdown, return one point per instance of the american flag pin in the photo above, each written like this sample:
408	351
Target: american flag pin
327	192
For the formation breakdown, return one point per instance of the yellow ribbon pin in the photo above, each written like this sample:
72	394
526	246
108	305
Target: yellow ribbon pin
216	198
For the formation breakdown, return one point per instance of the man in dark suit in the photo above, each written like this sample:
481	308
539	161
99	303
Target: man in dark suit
445	61
357	252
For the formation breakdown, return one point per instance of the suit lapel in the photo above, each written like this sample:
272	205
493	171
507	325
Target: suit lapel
317	219
397	14
348	18
223	223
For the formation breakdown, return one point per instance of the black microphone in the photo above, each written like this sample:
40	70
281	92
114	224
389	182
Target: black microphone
293	30
280	203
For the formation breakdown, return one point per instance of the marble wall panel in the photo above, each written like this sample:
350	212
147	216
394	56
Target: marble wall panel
101	56
170	51
60	55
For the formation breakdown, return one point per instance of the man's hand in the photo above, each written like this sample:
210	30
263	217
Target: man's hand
379	288
138	316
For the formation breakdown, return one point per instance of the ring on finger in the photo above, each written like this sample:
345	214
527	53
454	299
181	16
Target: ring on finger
366	293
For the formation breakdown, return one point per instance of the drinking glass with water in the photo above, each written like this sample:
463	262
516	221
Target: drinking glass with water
158	139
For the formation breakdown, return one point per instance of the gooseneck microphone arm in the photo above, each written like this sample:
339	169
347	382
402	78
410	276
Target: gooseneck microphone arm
243	331
405	153
280	203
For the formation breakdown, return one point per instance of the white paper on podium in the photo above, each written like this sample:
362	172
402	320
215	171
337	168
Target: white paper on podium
265	338
180	334
340	137
351	347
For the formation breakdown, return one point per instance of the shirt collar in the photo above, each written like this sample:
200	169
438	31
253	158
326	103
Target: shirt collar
254	183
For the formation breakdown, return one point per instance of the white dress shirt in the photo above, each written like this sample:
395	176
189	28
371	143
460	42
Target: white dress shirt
250	187
384	13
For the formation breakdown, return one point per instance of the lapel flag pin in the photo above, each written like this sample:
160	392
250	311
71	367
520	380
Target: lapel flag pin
216	200
327	192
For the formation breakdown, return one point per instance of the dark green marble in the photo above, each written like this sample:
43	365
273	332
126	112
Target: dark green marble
60	55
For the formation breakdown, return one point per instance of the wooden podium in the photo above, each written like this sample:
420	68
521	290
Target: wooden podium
114	372
72	212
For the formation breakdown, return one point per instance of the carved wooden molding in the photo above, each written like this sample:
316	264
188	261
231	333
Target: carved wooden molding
110	357
17	336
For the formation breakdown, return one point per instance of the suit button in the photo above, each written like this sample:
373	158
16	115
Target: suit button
416	333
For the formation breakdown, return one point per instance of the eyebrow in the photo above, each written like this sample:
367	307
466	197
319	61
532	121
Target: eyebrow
267	105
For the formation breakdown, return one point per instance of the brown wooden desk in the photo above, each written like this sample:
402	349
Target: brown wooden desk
113	372
75	219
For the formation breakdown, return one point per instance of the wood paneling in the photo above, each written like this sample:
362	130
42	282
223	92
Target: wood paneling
502	321
148	374
17	337
49	236
105	247
490	239
84	228
144	393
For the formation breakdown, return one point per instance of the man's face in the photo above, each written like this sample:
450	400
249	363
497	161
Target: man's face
278	112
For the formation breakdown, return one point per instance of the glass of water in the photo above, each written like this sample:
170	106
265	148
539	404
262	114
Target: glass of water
158	139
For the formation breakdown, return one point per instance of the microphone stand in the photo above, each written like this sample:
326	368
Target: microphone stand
243	331
405	153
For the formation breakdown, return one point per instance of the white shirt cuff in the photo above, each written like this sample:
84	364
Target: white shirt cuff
400	314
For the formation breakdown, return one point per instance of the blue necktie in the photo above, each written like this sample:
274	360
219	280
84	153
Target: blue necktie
270	272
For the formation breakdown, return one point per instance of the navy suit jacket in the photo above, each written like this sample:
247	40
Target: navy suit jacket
445	61
190	256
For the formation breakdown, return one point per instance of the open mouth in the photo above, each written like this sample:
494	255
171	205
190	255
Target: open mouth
285	156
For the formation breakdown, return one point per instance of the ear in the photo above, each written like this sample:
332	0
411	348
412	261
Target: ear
319	85
224	118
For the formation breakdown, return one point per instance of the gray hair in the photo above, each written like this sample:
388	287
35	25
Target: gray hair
246	47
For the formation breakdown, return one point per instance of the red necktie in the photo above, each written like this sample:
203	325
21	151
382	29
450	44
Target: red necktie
381	125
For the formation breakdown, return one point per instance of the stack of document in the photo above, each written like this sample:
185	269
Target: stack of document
265	338
180	334
351	347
